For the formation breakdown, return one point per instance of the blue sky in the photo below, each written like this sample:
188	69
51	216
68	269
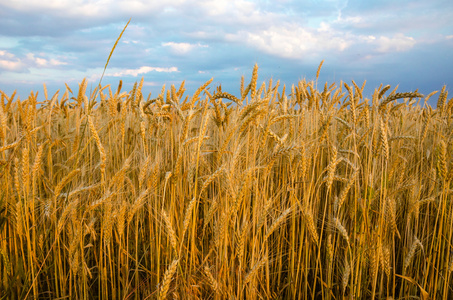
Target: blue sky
63	41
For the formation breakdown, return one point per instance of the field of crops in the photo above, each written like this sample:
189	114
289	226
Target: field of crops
308	192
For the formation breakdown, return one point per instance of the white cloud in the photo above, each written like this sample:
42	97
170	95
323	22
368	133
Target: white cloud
397	43
352	20
89	8
231	14
151	83
6	54
141	70
182	48
42	62
231	8
10	65
293	40
8	61
449	37
131	42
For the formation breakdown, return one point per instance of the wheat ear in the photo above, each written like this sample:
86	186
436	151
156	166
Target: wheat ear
331	168
410	254
384	139
253	82
311	225
319	70
64	181
277	223
385	256
187	216
3	121
346	273
99	145
167	279
254	270
212	281
170	231
442	160
341	229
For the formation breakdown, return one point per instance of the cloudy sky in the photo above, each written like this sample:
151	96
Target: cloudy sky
63	41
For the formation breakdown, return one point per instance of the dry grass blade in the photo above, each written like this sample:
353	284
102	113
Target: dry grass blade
424	294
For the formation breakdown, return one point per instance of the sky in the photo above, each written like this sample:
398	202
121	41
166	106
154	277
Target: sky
405	43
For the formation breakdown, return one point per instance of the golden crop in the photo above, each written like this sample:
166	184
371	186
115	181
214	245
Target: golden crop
311	194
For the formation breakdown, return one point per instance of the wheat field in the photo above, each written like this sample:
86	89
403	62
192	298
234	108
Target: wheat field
298	193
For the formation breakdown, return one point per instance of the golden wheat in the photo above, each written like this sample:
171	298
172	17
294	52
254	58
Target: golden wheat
112	195
167	279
